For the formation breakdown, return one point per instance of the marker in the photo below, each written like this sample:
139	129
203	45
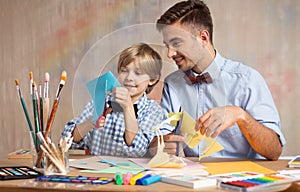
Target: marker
118	179
151	180
126	178
139	181
136	177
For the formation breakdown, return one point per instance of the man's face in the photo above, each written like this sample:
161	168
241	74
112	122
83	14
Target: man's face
183	47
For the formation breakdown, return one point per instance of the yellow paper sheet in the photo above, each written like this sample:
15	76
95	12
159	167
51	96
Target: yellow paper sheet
187	125
213	148
236	166
193	138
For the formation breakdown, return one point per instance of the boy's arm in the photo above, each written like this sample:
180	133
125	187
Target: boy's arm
131	125
82	129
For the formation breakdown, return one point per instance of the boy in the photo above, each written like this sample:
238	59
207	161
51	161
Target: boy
126	133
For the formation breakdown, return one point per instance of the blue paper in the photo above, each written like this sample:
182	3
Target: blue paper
98	88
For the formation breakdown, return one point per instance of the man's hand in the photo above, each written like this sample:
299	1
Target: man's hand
218	119
170	141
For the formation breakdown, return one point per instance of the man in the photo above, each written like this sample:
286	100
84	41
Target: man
232	103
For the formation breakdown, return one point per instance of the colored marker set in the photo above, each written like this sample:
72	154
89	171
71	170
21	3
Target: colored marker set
20	172
139	179
74	179
254	182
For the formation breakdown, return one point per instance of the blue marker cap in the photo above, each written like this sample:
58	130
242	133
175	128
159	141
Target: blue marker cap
150	180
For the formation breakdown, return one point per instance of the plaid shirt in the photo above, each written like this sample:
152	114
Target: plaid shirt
109	140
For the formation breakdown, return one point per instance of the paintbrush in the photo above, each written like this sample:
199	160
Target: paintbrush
63	79
36	111
26	113
53	111
41	118
46	99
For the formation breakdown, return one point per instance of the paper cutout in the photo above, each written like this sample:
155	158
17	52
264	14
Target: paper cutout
94	165
236	166
98	89
211	147
89	163
192	167
194	138
162	158
174	162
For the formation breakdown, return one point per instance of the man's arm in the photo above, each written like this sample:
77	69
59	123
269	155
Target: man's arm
262	139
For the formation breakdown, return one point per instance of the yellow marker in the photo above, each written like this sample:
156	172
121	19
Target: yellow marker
136	177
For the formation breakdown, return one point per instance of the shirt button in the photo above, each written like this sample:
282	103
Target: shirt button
200	113
201	90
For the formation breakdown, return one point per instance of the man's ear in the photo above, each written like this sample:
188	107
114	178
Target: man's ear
203	37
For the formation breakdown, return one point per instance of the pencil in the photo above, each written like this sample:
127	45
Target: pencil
26	113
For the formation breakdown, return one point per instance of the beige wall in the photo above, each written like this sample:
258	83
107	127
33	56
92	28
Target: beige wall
51	36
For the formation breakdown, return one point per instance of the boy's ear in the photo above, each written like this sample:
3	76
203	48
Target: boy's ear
153	82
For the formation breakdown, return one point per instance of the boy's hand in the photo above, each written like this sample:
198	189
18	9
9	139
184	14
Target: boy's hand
122	96
101	120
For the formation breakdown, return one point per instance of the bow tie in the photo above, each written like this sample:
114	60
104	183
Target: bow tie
203	78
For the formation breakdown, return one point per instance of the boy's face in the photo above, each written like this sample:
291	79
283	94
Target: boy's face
134	79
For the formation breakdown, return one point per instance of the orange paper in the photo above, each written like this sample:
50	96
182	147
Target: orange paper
236	166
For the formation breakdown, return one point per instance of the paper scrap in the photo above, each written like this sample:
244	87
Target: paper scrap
98	89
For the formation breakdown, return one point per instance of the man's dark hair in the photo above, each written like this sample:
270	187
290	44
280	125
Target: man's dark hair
193	14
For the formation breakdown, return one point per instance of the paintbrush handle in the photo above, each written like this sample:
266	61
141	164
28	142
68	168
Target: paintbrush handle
48	128
41	115
26	114
46	111
51	118
29	122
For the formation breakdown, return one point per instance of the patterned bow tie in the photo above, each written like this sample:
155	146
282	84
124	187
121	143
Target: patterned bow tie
203	78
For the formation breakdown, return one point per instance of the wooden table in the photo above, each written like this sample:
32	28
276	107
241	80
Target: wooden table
31	185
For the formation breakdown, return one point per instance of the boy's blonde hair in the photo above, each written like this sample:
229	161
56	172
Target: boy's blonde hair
148	59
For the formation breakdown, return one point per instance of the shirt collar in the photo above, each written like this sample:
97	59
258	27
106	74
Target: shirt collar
216	66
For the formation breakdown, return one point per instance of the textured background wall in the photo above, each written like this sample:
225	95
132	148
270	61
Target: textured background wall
84	37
